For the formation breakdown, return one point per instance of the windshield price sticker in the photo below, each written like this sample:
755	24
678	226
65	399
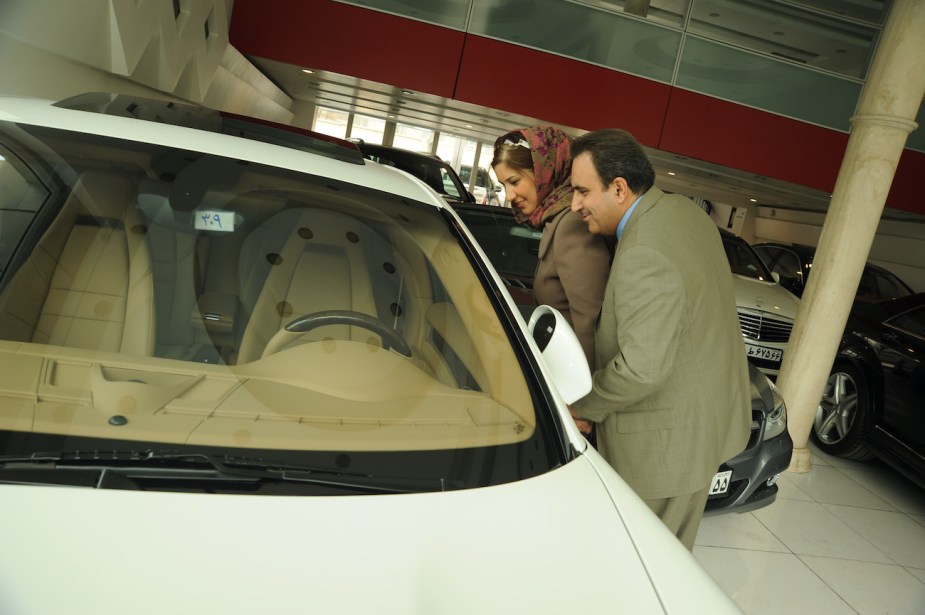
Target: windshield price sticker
214	220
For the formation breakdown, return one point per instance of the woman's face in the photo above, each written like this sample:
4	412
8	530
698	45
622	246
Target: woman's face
519	187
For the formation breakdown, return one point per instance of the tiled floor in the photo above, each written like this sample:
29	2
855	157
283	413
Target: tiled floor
844	538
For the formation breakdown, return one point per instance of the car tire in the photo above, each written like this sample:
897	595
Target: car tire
845	414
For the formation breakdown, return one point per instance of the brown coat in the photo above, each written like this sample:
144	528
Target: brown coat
571	274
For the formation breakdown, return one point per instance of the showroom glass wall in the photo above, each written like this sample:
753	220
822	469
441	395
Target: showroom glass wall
457	150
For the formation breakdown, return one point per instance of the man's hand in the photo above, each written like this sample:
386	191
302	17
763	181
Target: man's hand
584	425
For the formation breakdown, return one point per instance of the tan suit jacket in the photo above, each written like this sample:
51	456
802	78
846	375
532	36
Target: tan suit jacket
571	274
672	399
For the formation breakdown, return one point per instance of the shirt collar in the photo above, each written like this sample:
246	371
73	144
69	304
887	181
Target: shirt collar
626	217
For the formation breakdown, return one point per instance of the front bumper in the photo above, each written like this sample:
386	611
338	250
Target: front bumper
752	470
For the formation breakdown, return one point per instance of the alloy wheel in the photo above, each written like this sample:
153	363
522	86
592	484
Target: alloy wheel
838	409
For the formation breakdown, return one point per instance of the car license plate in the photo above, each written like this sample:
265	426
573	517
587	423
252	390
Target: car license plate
720	482
760	352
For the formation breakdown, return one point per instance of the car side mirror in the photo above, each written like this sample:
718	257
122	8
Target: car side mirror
497	188
776	277
561	352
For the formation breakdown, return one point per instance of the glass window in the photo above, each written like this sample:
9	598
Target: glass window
785	30
743	260
667	12
21	195
764	82
370	129
885	284
413	138
577	30
331	122
782	262
912	322
450	14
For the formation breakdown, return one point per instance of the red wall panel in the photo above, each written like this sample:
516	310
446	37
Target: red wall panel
751	140
351	41
906	191
520	80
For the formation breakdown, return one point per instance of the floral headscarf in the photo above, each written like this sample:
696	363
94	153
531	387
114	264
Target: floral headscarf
550	149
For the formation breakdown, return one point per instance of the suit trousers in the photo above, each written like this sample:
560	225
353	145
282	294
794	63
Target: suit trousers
682	514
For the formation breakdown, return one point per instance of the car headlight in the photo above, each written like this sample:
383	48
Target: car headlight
775	420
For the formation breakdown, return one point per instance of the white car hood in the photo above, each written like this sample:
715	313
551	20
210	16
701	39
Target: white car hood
770	297
552	544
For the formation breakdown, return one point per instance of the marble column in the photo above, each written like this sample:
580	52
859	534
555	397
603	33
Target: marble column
885	116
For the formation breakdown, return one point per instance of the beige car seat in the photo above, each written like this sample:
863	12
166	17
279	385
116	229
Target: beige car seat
303	261
88	282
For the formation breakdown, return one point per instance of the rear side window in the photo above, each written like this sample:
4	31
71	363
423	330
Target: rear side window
912	322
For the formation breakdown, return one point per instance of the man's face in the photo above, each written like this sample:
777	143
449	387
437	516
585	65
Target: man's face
601	207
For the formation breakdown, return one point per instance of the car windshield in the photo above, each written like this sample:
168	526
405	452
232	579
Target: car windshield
744	261
155	298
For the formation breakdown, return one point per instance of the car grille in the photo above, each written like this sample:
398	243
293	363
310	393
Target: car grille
763	326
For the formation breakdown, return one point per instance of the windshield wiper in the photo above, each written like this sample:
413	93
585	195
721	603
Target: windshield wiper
186	465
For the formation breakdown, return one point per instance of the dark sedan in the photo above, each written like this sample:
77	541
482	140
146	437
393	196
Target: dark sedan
743	483
429	168
874	400
794	262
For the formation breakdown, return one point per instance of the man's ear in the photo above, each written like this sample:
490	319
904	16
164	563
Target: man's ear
621	188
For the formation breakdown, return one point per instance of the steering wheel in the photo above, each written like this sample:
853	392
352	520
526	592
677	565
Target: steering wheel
391	339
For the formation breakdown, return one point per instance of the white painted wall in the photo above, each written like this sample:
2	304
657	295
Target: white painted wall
60	48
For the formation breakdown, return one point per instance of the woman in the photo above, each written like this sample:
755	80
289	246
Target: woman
534	165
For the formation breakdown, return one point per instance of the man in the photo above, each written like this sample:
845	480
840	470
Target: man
672	398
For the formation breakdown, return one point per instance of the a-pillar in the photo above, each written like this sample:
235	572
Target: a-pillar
885	116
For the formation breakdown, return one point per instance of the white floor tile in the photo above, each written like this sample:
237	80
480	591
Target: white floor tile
788	489
830	485
917	573
738	531
807	528
817	456
894	534
871	588
769	583
904	495
855	531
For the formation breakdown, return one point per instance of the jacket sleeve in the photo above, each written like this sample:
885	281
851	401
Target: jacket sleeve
583	266
647	300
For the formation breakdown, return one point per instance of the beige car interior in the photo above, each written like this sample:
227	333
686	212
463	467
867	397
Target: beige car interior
126	322
88	283
297	245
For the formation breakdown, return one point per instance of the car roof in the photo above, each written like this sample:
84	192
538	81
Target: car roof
196	128
805	250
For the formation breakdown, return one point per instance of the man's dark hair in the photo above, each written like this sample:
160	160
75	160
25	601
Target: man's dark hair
616	153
